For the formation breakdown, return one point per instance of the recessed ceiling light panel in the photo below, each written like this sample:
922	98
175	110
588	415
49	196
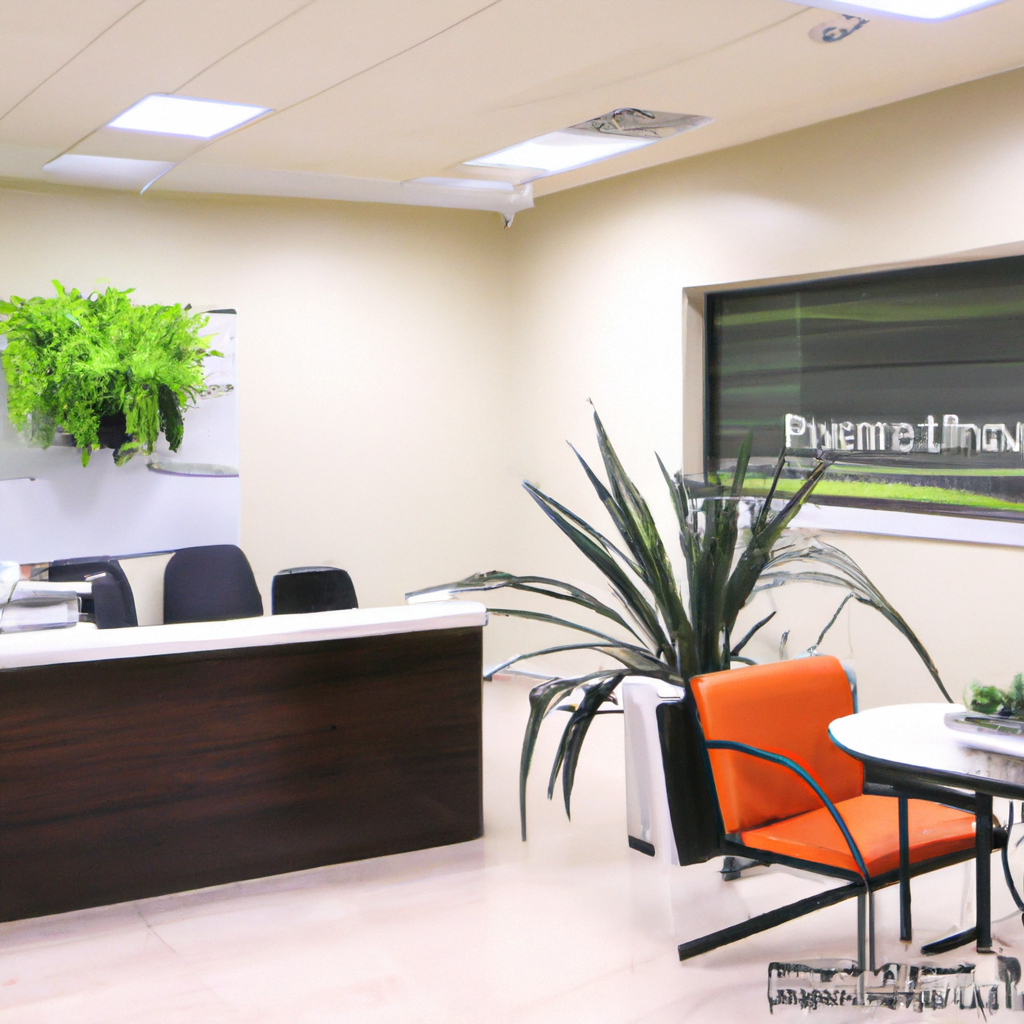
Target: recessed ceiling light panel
106	171
185	115
919	10
588	142
559	151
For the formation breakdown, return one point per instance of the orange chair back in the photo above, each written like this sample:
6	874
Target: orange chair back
784	707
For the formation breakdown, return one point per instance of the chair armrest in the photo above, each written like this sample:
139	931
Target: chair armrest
785	762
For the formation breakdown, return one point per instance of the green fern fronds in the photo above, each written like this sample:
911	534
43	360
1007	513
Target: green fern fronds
72	360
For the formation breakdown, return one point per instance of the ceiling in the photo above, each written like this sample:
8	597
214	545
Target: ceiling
367	95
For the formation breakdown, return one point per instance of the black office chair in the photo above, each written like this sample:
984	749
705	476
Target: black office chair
209	584
311	588
112	604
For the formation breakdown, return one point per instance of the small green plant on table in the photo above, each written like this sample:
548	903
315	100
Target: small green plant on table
990	700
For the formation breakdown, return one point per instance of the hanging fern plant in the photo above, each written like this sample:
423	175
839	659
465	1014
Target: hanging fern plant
81	365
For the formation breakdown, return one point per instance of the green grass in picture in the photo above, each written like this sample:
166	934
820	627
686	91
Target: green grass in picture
851	470
876	311
890	492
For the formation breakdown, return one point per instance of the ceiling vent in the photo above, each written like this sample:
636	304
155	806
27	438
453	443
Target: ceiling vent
599	138
643	124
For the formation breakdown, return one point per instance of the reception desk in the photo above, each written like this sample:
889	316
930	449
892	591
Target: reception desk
136	762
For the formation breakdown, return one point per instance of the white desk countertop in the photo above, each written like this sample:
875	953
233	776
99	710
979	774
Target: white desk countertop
86	643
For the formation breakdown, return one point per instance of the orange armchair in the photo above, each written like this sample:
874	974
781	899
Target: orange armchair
786	794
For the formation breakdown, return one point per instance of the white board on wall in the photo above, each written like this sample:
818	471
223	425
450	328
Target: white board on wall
52	507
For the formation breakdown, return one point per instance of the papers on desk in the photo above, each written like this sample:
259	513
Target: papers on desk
43	589
37	604
57	611
987	732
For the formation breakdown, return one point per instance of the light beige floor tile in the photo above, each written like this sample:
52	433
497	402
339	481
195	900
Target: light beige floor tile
569	927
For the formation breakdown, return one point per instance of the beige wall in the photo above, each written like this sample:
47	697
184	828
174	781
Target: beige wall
599	278
402	370
373	346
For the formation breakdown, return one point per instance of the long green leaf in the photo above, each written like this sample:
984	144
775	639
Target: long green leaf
688	542
567	755
750	632
554	620
773	528
615	574
596	535
831	622
541	585
742	461
758	550
634	658
542	697
766	505
680	501
641	532
710	582
614	511
853	578
643	539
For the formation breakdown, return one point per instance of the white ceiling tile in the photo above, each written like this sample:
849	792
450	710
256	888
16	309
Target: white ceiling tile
42	35
323	44
156	47
516	70
405	89
781	80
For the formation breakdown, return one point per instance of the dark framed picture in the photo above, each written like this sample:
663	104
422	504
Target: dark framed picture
912	381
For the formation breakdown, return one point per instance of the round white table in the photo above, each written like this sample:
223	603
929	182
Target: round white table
909	752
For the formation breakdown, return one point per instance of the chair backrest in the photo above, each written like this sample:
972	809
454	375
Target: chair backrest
311	588
112	604
210	583
784	707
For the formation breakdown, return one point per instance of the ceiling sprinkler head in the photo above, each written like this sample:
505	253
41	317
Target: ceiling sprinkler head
838	27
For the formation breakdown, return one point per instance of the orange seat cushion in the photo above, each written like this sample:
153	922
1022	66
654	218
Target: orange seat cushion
784	707
873	822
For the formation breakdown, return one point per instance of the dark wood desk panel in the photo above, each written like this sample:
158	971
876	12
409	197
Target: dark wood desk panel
134	777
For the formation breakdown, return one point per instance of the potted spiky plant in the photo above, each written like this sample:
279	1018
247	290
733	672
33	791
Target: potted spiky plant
100	371
661	629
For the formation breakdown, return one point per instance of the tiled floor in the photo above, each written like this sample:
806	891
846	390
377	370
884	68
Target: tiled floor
569	927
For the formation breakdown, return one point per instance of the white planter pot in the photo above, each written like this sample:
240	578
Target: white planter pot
648	822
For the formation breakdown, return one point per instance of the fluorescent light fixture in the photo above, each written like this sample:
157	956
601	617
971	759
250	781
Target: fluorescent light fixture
560	151
106	171
611	134
473	184
919	10
499	196
185	115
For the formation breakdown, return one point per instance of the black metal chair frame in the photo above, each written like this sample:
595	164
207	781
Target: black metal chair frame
103	571
858	883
